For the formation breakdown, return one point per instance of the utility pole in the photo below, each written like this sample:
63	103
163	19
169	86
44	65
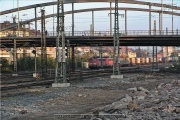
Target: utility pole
60	81
43	45
14	50
15	58
116	52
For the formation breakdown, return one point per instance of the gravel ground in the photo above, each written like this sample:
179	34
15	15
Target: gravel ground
80	98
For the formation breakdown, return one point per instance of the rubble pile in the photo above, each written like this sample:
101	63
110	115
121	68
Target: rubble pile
161	103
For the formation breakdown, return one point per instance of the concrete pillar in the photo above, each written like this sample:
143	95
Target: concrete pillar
72	19
149	19
93	23
126	22
159	23
35	21
110	18
161	17
172	21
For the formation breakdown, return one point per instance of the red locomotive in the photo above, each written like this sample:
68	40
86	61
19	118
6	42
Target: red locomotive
95	62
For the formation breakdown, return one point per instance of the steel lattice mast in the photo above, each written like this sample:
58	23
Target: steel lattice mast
116	56
43	45
60	44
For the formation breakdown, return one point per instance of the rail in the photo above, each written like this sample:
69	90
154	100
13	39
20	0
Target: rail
79	75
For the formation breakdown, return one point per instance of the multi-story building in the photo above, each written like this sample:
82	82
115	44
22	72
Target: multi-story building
167	51
22	31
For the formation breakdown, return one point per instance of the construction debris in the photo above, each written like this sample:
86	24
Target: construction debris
161	103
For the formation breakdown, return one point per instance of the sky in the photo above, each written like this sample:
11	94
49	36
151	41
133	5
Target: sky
136	20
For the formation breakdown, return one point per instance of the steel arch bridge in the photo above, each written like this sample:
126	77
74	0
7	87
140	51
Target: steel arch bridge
86	1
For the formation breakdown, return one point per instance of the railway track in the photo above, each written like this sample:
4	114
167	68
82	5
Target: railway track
79	75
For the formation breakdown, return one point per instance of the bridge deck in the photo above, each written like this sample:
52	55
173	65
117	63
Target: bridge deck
146	40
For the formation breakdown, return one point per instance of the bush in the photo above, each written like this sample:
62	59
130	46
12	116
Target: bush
5	67
28	63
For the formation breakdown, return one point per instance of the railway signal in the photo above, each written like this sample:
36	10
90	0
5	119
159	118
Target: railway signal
33	51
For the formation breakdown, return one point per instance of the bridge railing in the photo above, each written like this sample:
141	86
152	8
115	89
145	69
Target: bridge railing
121	33
96	33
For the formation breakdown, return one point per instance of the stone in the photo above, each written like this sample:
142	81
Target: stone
142	89
129	98
140	93
79	95
157	101
177	105
177	110
140	97
23	111
132	106
120	106
132	89
170	108
123	100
